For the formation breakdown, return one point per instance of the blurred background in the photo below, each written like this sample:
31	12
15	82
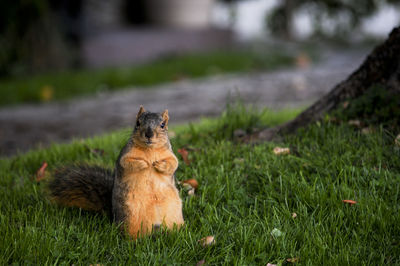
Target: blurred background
76	68
43	35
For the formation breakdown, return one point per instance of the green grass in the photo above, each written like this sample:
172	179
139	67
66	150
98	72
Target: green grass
65	85
245	193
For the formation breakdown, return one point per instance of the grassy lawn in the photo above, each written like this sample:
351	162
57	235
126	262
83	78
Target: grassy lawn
64	85
246	199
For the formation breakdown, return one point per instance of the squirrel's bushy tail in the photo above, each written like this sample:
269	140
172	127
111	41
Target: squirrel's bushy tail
83	186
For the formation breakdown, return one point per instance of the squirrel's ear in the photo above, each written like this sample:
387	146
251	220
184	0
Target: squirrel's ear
141	111
165	116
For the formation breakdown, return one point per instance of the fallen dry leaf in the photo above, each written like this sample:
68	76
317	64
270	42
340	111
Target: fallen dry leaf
184	153
191	192
192	182
366	130
202	262
207	241
294	215
292	260
355	123
40	174
186	186
281	151
351	202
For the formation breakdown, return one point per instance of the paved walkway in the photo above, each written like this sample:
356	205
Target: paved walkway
26	127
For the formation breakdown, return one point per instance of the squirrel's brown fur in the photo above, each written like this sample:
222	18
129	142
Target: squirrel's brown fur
141	193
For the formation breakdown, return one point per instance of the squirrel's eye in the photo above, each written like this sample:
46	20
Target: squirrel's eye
162	125
137	123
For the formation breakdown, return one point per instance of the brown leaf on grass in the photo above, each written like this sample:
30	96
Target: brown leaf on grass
355	123
367	130
207	241
40	173
281	151
192	182
292	260
351	202
184	153
191	192
202	262
186	186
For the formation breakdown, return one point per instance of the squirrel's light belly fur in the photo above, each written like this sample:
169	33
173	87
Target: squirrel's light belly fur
141	193
152	199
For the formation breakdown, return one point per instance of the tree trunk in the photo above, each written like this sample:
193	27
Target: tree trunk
381	66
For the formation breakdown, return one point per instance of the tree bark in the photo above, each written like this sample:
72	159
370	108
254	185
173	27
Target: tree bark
381	66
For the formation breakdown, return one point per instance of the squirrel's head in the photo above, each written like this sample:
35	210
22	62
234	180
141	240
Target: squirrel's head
151	128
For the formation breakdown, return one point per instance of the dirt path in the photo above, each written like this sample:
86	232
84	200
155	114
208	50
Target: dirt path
28	126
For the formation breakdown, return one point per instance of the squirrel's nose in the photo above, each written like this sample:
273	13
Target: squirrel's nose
149	133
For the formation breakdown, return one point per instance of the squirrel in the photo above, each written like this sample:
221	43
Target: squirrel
140	194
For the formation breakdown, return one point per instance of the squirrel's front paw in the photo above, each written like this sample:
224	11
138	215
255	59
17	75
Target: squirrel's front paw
139	164
160	166
134	164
